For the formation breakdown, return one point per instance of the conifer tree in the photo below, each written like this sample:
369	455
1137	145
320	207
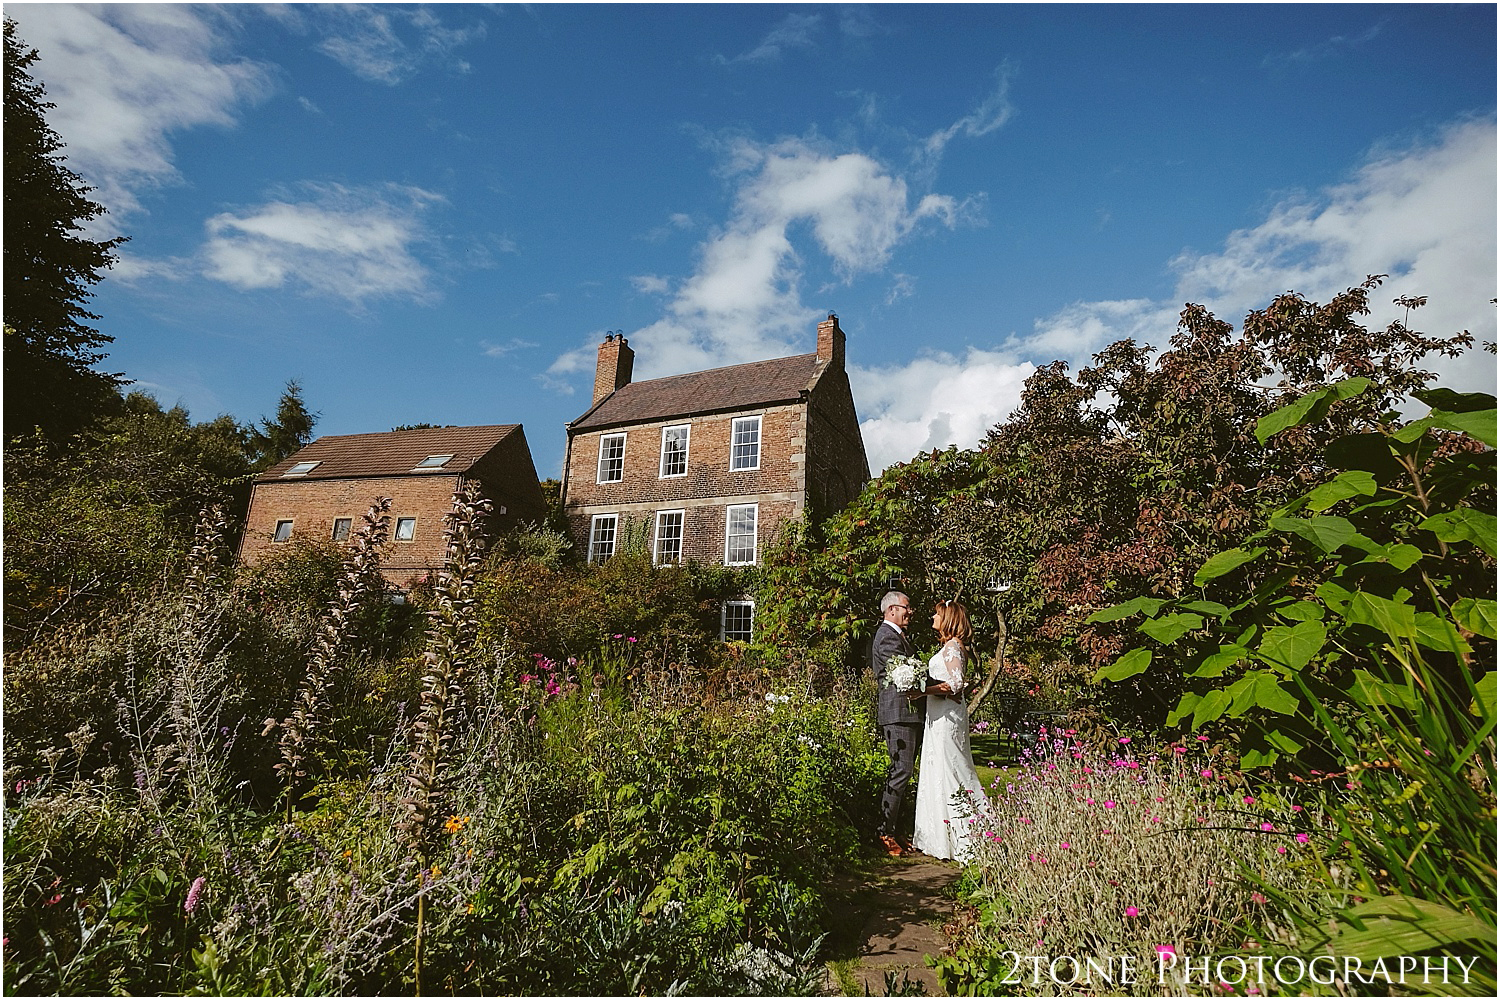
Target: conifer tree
50	349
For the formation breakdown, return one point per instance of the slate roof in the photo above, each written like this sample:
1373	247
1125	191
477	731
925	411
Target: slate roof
392	453
737	387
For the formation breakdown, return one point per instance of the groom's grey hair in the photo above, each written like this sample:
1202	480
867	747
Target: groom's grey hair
890	598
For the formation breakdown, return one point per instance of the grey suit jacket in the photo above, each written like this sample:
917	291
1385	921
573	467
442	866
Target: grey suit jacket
893	707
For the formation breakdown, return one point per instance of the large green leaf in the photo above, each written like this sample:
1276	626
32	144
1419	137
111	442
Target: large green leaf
1216	663
1302	611
1437	632
1368	689
1214	608
1484	705
1128	665
1354	483
1283	742
1293	646
1325	531
1463	525
1400	556
1171	628
1476	614
1150	605
1479	424
1440	398
1259	689
1403	925
1184	708
1224	562
1397	620
1311	408
1210	707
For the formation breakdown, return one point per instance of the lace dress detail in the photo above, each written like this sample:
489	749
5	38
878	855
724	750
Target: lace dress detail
949	792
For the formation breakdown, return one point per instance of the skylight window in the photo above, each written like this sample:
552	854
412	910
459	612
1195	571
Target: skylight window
300	469
434	462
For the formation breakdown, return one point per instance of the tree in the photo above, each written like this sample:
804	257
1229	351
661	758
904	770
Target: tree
291	431
49	347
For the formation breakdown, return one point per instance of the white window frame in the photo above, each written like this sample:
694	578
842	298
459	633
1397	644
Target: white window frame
724	621
301	469
754	508
614	536
432	462
276	535
734	431
687	440
656	553
396	534
603	439
348	523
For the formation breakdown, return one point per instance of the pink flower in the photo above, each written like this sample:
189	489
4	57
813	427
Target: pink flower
1124	739
1106	832
1268	827
1202	739
1109	803
1166	949
1281	850
1206	773
1256	897
54	900
1090	801
1131	911
1179	749
1249	800
1296	809
1302	838
1066	846
195	893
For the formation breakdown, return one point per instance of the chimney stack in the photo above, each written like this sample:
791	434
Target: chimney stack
831	342
616	360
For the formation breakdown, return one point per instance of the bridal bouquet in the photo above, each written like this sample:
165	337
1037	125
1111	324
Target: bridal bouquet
905	673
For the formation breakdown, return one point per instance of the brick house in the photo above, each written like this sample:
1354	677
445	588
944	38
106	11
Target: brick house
321	492
708	466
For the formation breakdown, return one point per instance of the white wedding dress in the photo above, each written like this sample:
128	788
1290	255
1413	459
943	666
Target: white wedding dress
948	789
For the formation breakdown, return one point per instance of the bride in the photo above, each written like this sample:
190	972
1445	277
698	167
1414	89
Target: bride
948	787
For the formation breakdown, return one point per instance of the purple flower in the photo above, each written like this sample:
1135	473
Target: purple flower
195	893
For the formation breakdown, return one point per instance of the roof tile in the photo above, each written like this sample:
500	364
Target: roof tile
393	453
737	387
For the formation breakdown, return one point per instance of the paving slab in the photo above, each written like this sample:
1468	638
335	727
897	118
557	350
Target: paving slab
900	909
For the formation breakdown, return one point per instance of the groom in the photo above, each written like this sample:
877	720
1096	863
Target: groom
900	715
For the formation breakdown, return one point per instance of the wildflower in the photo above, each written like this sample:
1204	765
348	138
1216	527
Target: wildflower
1256	897
1131	911
1206	773
1281	850
1249	800
1179	750
631	639
1296	809
1066	846
1303	838
1202	739
1165	950
55	900
1268	827
1109	803
195	893
1124	739
455	824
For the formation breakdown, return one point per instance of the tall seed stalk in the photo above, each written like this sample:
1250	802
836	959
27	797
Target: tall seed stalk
303	729
451	642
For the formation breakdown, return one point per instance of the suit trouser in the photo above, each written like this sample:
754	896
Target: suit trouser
903	742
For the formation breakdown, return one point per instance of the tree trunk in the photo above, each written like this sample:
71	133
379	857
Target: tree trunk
1002	638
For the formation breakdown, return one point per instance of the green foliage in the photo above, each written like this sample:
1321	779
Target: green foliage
288	433
50	349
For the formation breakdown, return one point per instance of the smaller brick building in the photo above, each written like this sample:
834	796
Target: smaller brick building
708	466
321	492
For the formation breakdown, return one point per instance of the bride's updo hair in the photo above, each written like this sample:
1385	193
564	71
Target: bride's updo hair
953	623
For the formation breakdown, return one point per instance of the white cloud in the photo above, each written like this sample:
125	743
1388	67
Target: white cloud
742	303
349	243
935	401
380	43
650	284
1423	214
794	31
124	77
512	345
994	111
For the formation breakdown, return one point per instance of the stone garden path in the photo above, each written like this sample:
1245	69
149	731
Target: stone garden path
893	919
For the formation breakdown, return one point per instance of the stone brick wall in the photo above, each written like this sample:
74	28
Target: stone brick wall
312	505
837	469
778	486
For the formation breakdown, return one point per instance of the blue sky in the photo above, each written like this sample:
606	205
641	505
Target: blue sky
435	213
